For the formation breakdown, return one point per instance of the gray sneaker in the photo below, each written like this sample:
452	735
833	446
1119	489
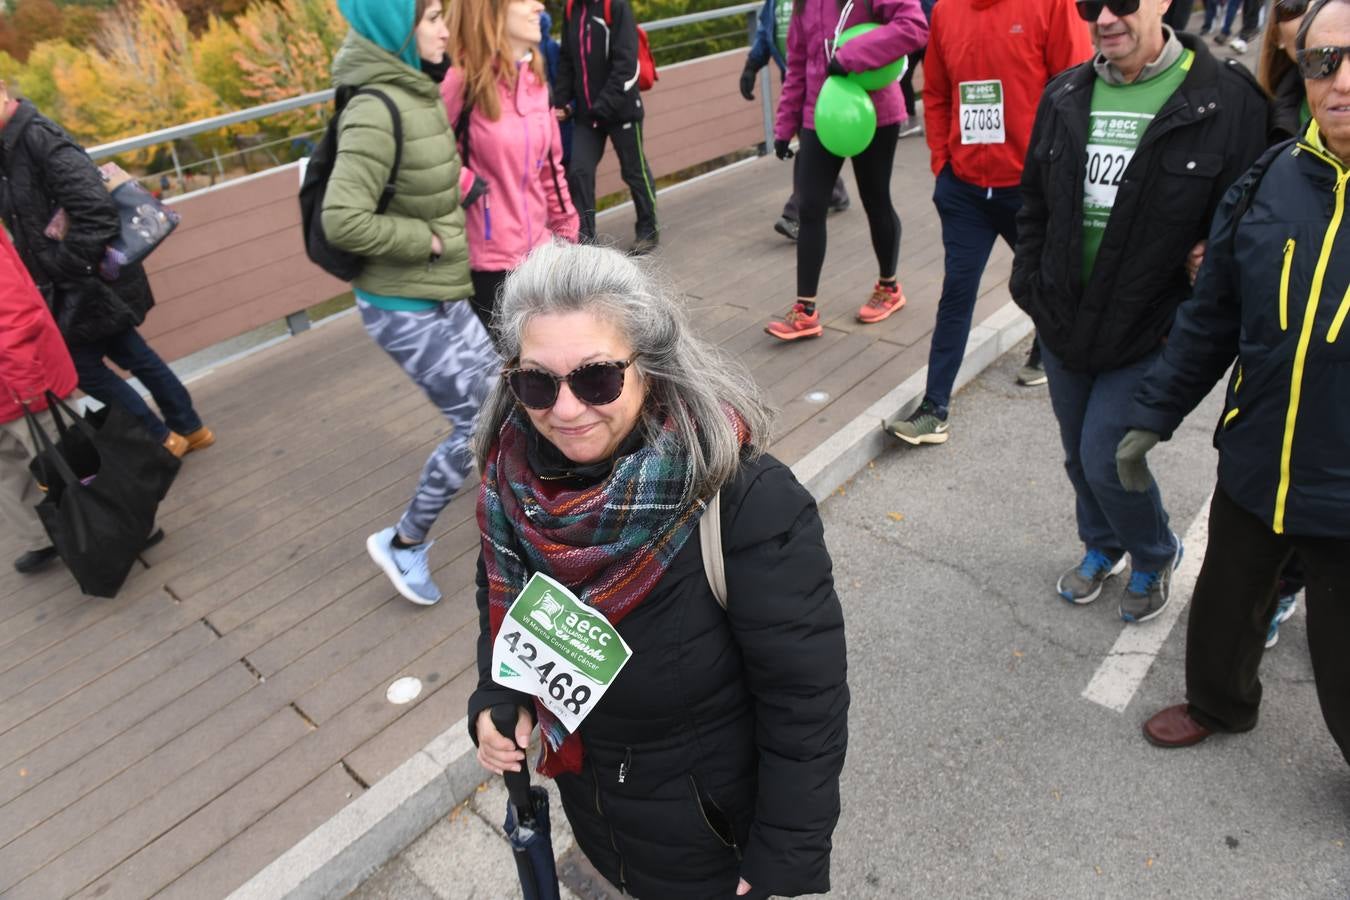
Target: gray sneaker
787	228
922	427
1083	583
1148	592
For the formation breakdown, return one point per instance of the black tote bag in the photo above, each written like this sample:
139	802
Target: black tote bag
104	477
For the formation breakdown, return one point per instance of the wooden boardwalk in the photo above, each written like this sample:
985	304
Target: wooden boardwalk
176	739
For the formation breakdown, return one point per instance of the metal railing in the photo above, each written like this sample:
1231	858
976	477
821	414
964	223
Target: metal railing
238	117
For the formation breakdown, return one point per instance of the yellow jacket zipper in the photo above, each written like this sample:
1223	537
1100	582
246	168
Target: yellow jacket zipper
1337	322
1284	284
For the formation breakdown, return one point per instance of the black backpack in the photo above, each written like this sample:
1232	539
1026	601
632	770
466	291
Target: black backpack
339	263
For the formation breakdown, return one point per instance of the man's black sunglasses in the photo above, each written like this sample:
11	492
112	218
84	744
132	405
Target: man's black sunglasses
1288	10
1315	63
594	384
1089	10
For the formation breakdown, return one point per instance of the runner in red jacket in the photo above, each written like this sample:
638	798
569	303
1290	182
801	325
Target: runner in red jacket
986	65
33	360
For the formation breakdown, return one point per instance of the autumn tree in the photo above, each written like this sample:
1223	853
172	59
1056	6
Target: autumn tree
140	77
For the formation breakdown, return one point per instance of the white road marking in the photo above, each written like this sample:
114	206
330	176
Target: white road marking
1123	670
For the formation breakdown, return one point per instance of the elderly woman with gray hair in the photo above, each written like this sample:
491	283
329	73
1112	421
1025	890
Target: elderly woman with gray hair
708	766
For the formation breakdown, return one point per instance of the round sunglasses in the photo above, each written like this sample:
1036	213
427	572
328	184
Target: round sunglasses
1316	63
1089	10
594	384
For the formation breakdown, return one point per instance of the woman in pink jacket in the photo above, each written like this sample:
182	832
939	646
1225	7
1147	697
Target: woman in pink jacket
812	57
513	182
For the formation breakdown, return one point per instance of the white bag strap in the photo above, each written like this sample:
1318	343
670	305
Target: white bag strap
710	543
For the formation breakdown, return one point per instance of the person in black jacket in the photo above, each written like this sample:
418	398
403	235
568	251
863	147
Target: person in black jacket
56	207
1274	292
597	88
1129	155
711	767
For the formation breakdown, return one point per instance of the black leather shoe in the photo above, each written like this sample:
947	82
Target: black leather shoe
35	560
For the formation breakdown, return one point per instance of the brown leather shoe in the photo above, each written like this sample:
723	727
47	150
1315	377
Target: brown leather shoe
1174	727
176	444
200	439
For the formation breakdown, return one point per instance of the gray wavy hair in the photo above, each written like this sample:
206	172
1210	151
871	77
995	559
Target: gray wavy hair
691	381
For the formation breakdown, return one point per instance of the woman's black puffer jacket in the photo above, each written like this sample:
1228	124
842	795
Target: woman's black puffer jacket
42	170
717	752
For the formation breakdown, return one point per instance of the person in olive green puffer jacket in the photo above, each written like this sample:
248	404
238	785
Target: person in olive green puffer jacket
412	291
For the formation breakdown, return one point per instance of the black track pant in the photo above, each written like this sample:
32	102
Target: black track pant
815	180
1234	599
484	299
588	146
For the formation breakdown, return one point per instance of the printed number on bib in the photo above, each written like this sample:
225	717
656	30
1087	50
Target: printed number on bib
1105	172
981	112
557	648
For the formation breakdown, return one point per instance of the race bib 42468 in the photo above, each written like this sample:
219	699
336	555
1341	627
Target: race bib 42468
559	649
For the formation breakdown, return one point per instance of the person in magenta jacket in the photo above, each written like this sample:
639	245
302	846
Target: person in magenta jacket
811	59
33	360
513	181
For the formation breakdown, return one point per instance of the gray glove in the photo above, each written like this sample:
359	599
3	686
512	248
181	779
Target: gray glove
1130	463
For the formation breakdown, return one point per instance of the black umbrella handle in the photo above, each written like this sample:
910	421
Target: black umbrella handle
504	716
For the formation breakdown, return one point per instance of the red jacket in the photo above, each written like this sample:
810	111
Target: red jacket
33	356
1023	43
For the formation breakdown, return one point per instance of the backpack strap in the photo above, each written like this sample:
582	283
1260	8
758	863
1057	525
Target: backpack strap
386	195
462	127
1252	180
710	544
553	170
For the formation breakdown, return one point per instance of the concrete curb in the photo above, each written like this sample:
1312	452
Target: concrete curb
334	859
850	448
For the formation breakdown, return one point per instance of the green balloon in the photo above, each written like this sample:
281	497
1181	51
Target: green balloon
872	79
846	120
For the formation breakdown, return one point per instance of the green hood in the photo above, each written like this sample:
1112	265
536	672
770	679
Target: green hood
361	62
388	24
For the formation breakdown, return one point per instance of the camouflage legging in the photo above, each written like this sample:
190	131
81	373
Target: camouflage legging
447	353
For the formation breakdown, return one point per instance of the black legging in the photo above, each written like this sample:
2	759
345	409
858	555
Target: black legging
907	80
815	180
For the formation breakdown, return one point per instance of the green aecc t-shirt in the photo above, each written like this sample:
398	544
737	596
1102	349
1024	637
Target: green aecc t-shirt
1119	117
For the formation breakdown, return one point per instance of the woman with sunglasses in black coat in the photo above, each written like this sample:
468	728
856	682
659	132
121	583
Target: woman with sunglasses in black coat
711	766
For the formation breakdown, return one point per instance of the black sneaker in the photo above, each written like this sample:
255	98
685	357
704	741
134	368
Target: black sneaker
35	560
644	245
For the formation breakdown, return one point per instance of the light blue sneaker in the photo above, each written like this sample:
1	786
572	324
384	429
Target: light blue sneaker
1282	614
1148	592
407	569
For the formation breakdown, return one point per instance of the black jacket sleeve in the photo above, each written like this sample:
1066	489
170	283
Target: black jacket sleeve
488	693
1031	218
1204	337
790	627
564	88
74	184
623	63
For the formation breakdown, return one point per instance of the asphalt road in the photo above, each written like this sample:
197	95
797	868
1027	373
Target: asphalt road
976	768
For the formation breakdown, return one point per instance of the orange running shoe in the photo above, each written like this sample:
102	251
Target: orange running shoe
881	304
796	324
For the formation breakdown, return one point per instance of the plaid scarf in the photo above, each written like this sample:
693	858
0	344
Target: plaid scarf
609	543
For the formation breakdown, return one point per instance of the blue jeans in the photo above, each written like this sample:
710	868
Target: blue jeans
1092	409
972	219
130	351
